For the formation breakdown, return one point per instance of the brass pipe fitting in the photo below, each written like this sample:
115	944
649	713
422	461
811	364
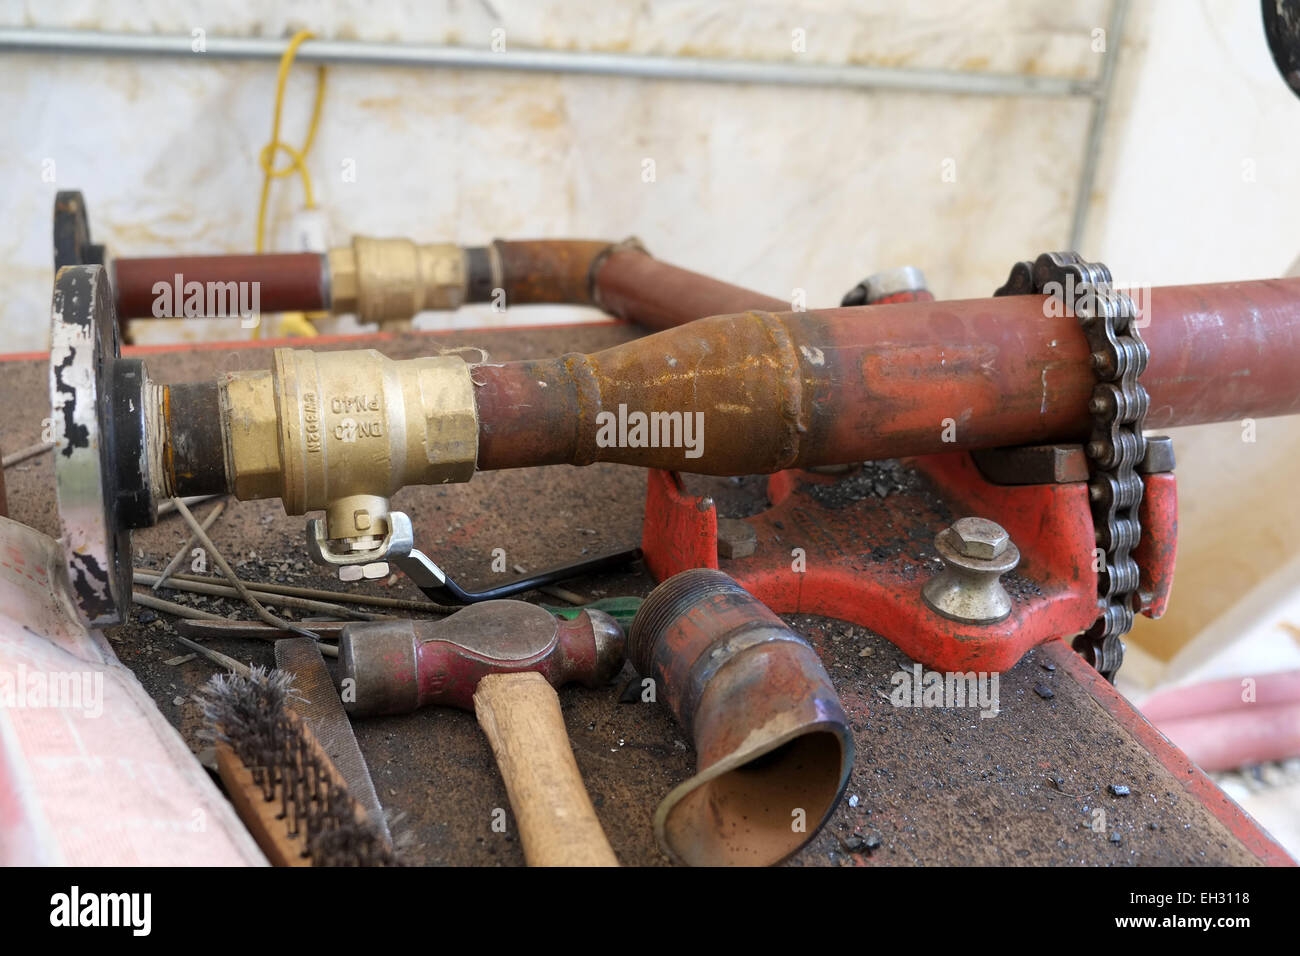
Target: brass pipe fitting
342	431
389	281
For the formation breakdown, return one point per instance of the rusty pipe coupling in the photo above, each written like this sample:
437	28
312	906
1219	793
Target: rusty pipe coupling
773	745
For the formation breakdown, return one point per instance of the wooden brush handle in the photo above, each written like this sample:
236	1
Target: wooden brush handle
520	713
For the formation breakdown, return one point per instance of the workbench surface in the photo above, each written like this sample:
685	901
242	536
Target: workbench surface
930	786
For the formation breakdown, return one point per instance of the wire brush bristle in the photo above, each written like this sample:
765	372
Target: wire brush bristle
252	717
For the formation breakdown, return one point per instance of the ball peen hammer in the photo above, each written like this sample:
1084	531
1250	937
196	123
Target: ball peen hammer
503	660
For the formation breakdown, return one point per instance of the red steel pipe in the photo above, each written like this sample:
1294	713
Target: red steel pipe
620	278
805	388
547	271
634	286
286	282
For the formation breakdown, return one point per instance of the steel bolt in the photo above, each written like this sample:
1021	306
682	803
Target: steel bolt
980	537
736	538
976	552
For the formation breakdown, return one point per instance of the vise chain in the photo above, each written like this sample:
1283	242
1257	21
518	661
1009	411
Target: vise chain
1116	448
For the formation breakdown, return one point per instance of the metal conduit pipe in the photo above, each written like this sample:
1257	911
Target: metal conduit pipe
763	391
697	69
854	384
391	280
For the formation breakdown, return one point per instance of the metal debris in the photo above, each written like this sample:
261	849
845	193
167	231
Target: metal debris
238	585
877	479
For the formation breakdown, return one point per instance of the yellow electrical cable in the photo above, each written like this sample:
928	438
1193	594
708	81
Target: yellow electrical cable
293	323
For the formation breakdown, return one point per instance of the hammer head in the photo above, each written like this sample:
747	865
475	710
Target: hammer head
395	667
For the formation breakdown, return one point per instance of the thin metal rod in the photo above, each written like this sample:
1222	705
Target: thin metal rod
31	451
279	600
258	629
338	597
169	506
215	553
224	627
216	657
697	69
171	607
563	594
1097	123
190	542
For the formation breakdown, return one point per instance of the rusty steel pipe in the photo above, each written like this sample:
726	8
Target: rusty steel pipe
286	282
632	285
621	279
760	391
807	388
543	271
772	742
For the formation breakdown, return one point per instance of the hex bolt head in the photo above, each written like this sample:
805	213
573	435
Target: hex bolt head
980	538
736	538
976	553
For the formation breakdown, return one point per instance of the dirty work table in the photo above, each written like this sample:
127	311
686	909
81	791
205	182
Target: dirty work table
930	786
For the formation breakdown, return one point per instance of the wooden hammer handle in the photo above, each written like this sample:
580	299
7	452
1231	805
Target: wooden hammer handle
520	713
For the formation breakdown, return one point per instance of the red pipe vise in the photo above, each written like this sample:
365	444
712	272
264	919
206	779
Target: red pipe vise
861	546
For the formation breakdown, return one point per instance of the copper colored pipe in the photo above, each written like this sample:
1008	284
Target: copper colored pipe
548	271
804	388
632	285
768	729
287	282
621	279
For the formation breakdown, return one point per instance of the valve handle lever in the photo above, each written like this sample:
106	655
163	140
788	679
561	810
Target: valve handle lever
437	586
398	548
